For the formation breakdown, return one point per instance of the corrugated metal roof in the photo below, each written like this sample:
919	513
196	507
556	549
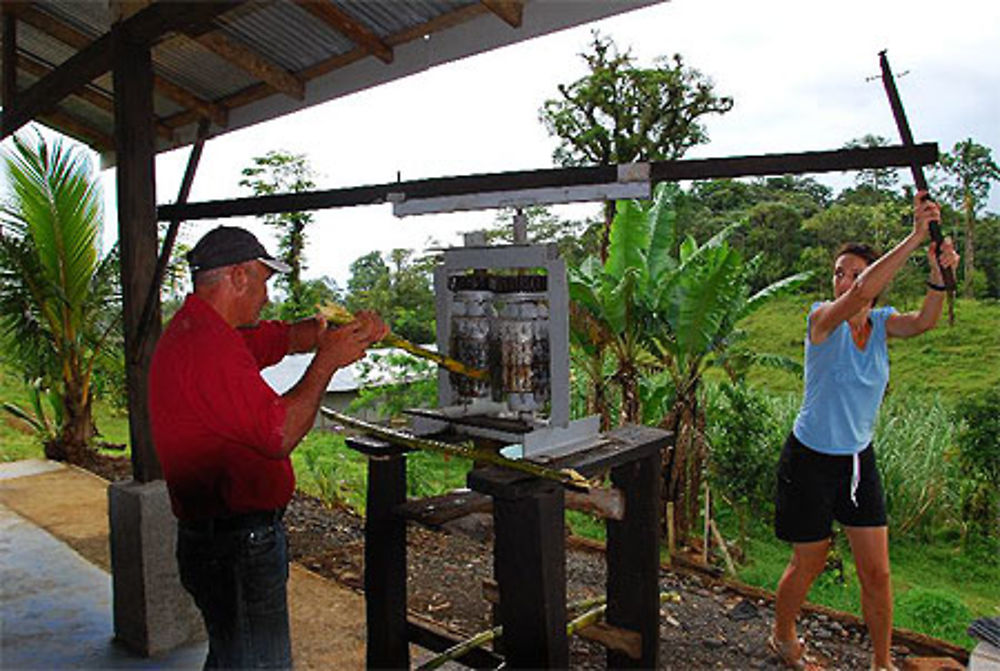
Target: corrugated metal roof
188	64
288	35
200	77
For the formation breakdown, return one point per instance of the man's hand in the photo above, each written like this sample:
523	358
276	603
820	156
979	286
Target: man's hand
346	344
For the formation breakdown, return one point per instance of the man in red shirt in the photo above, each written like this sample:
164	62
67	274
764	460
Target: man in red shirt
223	437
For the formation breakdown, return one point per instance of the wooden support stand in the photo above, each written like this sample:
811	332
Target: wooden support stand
385	556
529	563
529	555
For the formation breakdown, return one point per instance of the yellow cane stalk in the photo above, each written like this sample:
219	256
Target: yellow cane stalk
339	315
573	626
565	476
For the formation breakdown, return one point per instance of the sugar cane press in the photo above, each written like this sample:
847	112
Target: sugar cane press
505	310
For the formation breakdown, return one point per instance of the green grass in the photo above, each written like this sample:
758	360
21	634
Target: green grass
938	590
17	439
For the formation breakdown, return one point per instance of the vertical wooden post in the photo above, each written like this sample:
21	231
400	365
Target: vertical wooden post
385	564
135	154
530	567
707	538
633	560
9	57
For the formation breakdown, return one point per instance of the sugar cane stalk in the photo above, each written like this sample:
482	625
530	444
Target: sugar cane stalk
576	624
339	315
566	476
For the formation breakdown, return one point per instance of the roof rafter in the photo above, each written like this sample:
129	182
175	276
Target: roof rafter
37	68
93	57
257	65
71	36
257	92
218	114
344	23
511	11
74	127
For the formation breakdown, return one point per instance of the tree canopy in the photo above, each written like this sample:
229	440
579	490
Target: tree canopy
622	113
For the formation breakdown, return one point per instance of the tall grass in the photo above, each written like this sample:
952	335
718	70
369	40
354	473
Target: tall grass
914	448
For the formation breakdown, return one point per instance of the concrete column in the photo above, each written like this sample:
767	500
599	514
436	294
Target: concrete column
153	611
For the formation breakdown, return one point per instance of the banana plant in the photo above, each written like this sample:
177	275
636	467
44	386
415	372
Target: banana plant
702	299
666	309
614	302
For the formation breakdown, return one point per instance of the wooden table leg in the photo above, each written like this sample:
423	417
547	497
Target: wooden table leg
385	564
529	562
634	561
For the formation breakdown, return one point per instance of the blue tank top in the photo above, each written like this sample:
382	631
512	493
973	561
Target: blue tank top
844	386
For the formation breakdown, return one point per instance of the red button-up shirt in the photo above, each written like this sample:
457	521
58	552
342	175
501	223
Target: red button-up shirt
217	425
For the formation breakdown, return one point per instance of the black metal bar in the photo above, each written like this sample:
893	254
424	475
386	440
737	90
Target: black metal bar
163	260
633	559
385	565
715	168
915	168
791	164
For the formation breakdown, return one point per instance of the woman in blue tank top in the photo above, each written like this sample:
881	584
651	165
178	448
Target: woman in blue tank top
827	468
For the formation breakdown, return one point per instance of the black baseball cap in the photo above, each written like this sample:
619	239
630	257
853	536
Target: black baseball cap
229	245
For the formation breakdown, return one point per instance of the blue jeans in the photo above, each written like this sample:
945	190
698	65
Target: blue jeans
238	579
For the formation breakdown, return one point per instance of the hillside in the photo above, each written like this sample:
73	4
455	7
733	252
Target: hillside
952	361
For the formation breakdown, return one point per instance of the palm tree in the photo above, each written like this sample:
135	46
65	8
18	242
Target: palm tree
667	310
58	299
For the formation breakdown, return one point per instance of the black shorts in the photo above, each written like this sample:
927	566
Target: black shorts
815	488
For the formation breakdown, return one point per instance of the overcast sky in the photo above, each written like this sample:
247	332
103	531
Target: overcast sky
798	72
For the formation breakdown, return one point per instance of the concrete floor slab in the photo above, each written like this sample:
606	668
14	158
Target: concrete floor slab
56	608
19	469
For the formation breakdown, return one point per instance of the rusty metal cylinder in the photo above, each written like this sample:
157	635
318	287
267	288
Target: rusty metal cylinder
471	320
522	342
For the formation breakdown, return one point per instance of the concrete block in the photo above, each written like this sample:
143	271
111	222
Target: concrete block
985	657
152	611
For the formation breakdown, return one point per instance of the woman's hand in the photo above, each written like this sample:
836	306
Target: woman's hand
948	259
925	211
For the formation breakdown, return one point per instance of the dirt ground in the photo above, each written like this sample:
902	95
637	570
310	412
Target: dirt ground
710	623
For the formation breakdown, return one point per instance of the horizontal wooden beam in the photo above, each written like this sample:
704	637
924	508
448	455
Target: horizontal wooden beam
69	35
79	129
614	638
205	109
511	11
93	60
432	636
255	92
662	171
252	62
92	95
344	23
